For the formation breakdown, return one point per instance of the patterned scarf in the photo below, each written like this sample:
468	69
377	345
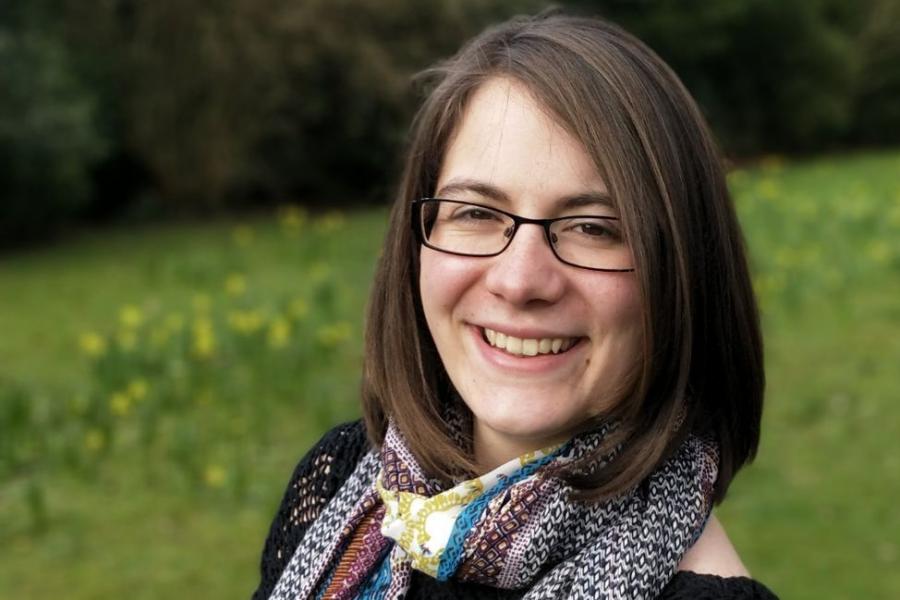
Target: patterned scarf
511	528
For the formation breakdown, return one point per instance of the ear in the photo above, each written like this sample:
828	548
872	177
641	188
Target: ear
713	554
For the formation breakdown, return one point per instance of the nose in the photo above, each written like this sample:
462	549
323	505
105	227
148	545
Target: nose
527	272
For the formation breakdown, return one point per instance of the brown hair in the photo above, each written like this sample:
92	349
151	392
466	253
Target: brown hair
701	368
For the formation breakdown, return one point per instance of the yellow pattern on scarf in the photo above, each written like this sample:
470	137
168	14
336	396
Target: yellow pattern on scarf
407	514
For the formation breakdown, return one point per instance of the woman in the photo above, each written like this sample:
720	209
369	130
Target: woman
563	359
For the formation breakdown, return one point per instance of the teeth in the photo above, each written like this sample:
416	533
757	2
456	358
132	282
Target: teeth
527	347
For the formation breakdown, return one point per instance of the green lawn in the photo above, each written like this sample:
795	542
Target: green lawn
184	515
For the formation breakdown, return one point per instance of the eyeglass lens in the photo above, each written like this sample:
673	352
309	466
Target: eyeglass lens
593	242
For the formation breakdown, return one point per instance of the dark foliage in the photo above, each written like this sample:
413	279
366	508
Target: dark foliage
118	106
770	75
48	137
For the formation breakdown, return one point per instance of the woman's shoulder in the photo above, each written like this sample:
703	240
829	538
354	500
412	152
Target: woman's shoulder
315	480
325	467
711	569
687	585
713	553
345	441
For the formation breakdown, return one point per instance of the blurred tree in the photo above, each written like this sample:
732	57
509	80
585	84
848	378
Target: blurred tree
348	64
261	100
769	74
48	136
217	103
878	91
190	87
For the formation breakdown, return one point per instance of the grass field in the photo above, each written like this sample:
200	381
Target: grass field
157	385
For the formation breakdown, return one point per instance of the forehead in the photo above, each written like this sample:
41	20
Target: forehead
506	139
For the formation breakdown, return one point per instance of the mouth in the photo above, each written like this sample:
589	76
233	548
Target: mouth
528	346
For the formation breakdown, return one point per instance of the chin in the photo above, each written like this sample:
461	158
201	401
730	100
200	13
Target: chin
521	422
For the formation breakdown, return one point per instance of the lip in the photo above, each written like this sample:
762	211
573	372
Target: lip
540	364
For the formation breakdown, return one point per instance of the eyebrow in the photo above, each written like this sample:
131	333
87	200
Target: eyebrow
494	193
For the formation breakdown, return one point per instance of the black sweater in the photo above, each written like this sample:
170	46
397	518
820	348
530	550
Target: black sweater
324	469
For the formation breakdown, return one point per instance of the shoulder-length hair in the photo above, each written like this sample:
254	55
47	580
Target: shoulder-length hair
701	364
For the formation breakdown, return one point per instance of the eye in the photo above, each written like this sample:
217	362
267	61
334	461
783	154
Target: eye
474	213
595	228
471	212
589	232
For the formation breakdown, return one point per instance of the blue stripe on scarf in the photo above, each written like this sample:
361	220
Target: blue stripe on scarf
323	587
379	582
453	552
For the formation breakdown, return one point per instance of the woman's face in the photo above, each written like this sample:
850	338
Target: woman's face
509	154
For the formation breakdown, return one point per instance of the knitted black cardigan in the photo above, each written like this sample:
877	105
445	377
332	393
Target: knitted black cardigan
324	469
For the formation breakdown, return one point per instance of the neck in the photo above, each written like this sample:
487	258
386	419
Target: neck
493	448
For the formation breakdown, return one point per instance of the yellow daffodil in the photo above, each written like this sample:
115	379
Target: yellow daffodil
279	332
119	404
245	321
330	222
298	308
94	440
137	389
214	476
235	284
291	218
92	344
131	316
333	334
204	341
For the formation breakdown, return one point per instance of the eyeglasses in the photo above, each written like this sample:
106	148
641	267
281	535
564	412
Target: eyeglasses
587	241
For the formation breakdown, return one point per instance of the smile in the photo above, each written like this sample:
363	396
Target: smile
527	346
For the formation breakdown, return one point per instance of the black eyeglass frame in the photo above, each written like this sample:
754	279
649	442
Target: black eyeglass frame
545	224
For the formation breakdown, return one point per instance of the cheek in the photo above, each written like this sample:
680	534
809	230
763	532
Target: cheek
617	307
623	303
444	280
628	321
